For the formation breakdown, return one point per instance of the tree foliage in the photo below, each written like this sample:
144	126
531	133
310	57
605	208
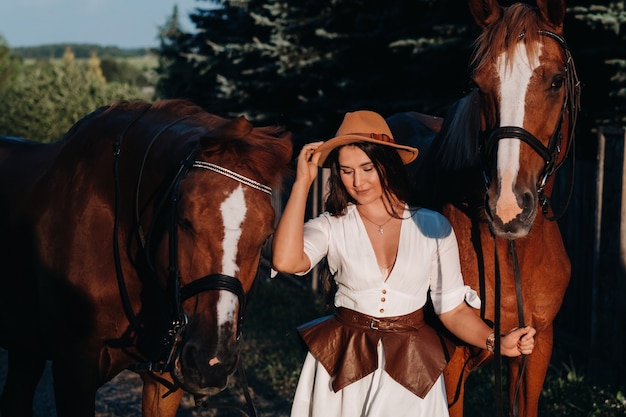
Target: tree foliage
304	64
8	63
45	99
81	50
598	34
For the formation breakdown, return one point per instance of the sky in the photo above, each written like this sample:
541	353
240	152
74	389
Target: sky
122	23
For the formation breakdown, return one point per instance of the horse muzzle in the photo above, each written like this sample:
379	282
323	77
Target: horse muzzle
202	375
512	220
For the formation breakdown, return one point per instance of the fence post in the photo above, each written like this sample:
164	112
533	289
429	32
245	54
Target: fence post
608	318
596	240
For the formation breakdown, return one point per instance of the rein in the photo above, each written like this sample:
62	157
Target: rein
178	293
497	330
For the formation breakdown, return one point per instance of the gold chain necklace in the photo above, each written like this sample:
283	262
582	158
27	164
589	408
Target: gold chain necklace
381	230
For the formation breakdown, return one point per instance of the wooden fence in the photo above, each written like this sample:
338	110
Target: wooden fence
591	325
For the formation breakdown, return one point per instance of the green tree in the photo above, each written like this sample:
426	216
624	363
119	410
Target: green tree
9	63
45	99
122	71
178	75
599	45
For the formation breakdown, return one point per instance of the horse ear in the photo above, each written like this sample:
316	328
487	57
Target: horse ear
552	12
485	12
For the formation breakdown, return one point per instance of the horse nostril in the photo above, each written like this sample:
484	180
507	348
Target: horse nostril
529	201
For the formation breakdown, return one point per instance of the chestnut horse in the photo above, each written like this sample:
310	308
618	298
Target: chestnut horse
132	241
490	171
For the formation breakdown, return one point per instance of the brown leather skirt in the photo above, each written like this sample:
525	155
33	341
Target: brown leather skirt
346	345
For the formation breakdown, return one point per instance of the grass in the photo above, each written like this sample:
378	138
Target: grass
272	355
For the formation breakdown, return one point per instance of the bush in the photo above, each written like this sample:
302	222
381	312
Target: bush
45	99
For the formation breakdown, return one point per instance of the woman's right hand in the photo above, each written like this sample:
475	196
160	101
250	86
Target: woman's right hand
307	163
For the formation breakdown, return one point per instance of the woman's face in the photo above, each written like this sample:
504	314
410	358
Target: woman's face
358	175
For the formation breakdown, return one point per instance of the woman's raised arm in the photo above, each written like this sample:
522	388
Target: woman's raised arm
288	244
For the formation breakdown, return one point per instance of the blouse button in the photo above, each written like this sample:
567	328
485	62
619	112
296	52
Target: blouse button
382	310
384	291
382	299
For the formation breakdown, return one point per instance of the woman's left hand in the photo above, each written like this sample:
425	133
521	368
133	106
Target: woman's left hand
518	342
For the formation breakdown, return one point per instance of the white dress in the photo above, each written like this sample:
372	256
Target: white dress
427	259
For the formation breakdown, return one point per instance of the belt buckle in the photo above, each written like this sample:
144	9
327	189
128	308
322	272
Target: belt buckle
374	323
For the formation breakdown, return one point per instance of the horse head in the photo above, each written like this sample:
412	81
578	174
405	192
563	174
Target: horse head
206	232
529	96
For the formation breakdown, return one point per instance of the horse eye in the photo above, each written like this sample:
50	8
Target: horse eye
186	224
557	83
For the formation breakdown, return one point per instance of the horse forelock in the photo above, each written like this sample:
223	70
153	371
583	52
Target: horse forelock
265	151
519	23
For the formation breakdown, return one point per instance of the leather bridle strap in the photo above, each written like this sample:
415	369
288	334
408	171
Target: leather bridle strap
520	321
218	282
497	324
497	351
508	132
126	304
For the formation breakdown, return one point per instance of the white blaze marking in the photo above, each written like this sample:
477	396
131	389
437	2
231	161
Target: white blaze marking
514	79
233	211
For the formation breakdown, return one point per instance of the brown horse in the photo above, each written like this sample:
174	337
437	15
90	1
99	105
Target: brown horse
489	170
133	241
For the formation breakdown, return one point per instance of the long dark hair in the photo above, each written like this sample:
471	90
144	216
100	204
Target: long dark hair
394	180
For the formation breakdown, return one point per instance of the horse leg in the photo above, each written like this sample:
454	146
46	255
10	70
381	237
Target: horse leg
464	361
24	372
526	397
153	404
75	384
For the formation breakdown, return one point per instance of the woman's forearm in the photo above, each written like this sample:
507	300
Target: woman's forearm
465	324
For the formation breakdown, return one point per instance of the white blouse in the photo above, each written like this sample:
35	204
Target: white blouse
427	259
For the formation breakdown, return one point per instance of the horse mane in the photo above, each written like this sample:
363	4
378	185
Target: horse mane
442	168
456	146
266	151
519	20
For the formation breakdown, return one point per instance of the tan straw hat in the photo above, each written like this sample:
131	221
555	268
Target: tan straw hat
364	126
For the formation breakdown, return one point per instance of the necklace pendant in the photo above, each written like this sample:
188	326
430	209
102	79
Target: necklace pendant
380	230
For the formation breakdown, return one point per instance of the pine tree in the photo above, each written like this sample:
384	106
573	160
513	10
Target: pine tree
94	66
599	47
304	64
178	77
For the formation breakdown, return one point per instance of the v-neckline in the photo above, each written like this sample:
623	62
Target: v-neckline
371	246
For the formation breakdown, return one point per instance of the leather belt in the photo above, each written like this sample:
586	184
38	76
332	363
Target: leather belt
409	322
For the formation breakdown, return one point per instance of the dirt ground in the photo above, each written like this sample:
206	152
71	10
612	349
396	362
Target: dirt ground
121	397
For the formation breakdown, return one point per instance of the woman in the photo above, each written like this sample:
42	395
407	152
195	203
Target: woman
375	356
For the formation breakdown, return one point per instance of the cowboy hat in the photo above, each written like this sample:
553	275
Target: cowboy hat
364	126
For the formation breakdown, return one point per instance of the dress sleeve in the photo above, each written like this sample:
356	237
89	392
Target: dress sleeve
447	289
316	239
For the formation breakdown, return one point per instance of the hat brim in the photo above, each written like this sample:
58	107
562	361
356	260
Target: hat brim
407	153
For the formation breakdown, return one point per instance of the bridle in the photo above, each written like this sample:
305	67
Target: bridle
168	205
551	152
